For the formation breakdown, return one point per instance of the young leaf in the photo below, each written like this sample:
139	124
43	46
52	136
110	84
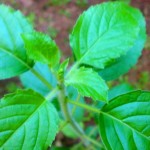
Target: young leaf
13	58
27	121
88	83
124	63
63	66
125	122
42	48
104	32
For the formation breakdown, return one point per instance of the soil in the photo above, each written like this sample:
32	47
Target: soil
58	21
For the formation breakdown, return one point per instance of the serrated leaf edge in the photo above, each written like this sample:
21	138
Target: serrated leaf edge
41	105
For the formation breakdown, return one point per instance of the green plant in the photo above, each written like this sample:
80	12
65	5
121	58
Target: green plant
106	41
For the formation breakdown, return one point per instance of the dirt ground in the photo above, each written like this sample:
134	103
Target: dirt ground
57	21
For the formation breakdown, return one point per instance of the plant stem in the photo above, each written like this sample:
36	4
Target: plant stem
66	113
84	106
39	76
72	112
63	103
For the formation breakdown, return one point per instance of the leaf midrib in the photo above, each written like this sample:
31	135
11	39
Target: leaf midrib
15	56
124	124
30	116
98	38
92	45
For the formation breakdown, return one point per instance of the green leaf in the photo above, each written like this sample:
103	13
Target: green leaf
42	48
13	58
63	66
124	63
102	33
88	83
27	121
125	122
29	80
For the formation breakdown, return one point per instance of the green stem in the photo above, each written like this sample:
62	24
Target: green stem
41	78
67	116
72	112
51	94
63	103
84	106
